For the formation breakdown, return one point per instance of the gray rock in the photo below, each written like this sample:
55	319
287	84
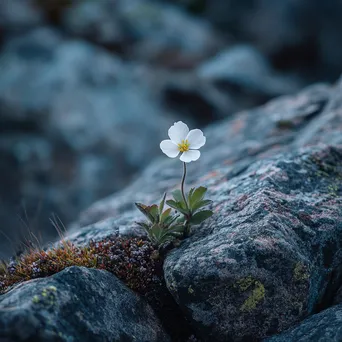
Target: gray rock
246	67
325	326
237	78
19	15
232	146
264	262
48	79
145	30
98	21
308	30
77	304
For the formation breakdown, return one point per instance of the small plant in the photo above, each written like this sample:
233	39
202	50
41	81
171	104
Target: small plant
163	226
191	207
166	226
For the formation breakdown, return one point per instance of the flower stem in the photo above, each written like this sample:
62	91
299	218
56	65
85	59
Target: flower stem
182	185
189	214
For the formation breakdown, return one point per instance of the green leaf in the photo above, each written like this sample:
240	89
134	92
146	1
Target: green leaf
159	235
165	215
165	238
184	211
197	195
161	205
175	231
176	205
145	210
144	225
170	219
190	193
154	211
201	204
177	234
173	204
177	195
156	232
181	220
201	216
176	228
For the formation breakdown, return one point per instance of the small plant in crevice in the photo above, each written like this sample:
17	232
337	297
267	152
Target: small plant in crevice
162	226
167	226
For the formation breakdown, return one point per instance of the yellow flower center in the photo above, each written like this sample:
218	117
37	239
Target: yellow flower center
184	146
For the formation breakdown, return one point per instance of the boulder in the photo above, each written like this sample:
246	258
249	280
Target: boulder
145	30
245	67
301	36
98	21
77	304
265	260
18	16
232	146
270	255
325	326
237	78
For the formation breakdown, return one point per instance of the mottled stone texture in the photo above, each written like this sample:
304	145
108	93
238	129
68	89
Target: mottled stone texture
232	146
77	304
323	327
264	260
270	255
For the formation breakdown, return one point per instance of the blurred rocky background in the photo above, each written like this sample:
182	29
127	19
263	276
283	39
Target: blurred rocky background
88	88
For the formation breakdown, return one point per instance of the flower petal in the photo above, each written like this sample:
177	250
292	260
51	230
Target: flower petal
190	155
196	139
169	148
178	132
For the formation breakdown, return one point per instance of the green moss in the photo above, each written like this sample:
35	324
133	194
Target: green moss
245	283
333	190
300	273
257	295
47	297
35	299
132	260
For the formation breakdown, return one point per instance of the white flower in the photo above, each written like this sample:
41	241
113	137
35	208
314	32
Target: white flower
183	141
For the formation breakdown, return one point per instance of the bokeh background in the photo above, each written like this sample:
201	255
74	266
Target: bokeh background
88	88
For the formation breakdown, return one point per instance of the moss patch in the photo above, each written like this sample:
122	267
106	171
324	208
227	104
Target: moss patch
132	260
46	298
300	273
257	295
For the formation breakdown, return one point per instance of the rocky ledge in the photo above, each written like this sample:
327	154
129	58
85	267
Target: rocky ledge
77	304
267	265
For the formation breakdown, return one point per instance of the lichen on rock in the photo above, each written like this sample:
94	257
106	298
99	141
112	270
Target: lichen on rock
256	296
